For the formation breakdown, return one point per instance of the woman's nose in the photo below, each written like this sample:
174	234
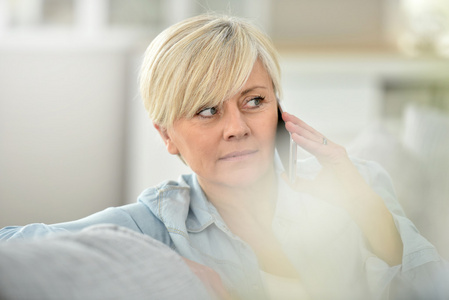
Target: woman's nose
235	125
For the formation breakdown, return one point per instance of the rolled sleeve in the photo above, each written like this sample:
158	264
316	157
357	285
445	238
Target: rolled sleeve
422	271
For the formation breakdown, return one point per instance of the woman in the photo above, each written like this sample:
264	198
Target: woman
210	85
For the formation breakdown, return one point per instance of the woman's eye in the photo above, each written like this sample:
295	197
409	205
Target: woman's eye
255	102
207	112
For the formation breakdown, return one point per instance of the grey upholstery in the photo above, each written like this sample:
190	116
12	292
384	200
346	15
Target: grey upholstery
100	262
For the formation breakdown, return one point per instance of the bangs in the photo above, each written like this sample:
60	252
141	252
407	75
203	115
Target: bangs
222	63
200	63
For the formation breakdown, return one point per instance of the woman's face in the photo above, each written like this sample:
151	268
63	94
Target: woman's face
231	145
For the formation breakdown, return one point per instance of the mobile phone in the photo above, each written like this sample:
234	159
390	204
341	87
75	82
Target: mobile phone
286	147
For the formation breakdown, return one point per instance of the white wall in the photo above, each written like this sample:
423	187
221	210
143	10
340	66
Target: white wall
61	133
74	137
147	161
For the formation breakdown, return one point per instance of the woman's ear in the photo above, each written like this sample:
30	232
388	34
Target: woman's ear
169	144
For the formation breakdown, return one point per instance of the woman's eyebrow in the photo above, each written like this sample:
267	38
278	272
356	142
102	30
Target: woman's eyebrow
251	89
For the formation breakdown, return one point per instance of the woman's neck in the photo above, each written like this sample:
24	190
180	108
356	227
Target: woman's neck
248	212
257	200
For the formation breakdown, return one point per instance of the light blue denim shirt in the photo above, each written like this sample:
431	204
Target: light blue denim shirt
321	240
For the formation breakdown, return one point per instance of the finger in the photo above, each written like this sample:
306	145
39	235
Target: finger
293	128
315	147
327	154
291	118
313	141
217	288
221	291
210	279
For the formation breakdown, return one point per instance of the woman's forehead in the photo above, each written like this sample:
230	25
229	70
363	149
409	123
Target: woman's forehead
259	75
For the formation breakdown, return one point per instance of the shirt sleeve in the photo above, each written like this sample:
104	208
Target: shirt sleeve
136	217
422	271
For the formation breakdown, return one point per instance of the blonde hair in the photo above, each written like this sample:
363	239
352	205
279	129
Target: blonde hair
200	62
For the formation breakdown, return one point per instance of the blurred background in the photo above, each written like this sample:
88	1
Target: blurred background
372	75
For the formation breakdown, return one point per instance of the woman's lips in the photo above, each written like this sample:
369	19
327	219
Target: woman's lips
238	155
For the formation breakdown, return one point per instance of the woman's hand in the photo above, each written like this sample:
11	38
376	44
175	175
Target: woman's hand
340	183
210	279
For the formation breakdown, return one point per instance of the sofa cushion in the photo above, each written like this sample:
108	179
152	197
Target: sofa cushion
101	262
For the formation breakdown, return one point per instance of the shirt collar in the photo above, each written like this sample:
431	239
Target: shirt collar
194	210
203	213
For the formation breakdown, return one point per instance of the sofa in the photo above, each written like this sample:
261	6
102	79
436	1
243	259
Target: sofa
417	159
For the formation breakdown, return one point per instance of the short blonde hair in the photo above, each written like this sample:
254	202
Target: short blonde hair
200	62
